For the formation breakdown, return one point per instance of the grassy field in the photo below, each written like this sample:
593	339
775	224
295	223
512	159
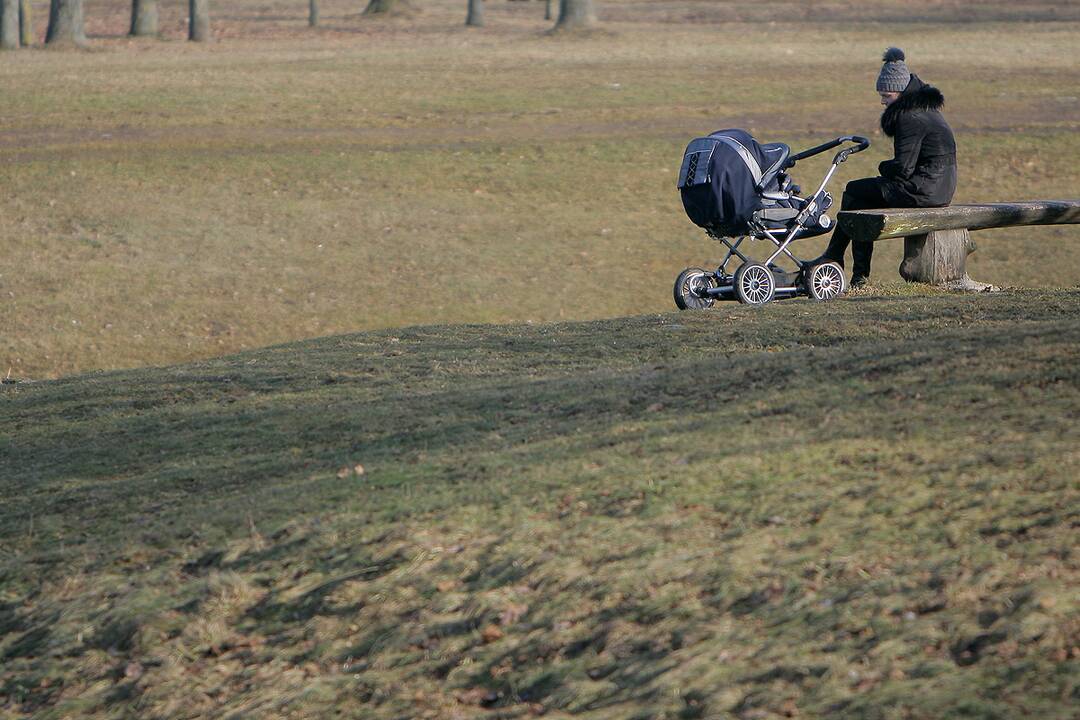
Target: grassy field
161	201
340	377
862	509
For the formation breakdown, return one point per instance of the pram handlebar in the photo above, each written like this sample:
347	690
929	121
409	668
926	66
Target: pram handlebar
861	144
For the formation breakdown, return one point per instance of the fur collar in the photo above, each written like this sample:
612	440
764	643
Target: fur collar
917	96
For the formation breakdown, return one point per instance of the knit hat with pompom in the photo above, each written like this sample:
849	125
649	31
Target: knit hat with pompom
894	76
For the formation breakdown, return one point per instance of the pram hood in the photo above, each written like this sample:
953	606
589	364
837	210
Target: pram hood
720	175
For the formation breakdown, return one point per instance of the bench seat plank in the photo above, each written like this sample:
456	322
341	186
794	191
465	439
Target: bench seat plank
871	225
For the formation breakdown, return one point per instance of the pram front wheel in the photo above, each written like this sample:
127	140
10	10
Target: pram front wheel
754	284
825	281
691	289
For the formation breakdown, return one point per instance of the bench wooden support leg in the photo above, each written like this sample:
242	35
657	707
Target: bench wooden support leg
939	258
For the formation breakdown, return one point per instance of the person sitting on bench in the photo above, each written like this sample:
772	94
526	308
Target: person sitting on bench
922	172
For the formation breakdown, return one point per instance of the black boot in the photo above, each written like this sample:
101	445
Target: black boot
822	259
838	245
861	255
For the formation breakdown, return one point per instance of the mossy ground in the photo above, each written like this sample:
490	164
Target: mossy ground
865	508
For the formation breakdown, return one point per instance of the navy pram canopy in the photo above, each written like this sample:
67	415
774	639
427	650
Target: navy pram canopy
722	177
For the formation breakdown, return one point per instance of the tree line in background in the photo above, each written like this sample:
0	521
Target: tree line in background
66	19
66	22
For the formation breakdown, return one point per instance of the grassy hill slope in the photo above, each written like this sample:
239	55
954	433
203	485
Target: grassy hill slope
866	508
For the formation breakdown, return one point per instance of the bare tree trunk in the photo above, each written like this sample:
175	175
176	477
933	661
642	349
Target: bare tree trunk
376	7
475	18
9	24
144	18
65	23
199	20
313	13
547	10
575	14
26	24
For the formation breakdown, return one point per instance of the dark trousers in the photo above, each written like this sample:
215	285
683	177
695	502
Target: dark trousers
863	194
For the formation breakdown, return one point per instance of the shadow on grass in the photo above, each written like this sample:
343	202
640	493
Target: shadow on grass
277	614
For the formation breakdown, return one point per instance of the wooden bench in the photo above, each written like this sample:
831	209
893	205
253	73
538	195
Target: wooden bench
937	240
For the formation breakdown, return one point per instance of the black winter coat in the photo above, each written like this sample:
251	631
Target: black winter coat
922	172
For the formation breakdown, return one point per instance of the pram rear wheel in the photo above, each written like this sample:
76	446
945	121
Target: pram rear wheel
754	284
825	281
691	289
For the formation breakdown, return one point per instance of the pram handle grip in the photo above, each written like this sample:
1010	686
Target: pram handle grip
861	144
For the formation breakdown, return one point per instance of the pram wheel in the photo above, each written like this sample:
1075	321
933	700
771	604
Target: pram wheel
691	287
825	281
754	284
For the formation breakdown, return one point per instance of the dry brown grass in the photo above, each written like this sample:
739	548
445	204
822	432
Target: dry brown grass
165	201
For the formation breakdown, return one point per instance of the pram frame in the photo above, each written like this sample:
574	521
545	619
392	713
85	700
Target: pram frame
792	283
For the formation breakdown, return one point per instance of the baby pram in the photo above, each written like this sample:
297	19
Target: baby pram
737	189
